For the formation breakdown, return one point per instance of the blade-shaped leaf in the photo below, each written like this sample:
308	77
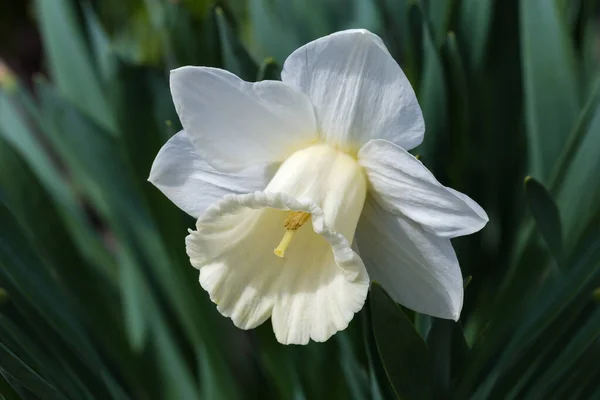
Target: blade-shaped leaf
53	369
401	348
70	61
357	379
540	321
438	14
277	39
577	199
235	58
432	97
10	389
551	94
448	350
546	216
100	44
18	133
380	385
27	377
474	20
458	108
562	365
269	69
30	282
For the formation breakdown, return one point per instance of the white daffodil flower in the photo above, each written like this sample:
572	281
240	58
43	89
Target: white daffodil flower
285	176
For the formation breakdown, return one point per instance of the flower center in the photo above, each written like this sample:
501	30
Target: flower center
331	181
291	224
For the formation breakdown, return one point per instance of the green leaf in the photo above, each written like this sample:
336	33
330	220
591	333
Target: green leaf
380	386
449	351
432	98
275	37
422	324
546	216
402	350
194	38
31	284
527	365
8	391
278	362
458	109
100	44
21	137
71	62
30	203
590	56
93	290
27	377
459	84
53	369
269	69
439	14
357	379
235	58
72	249
135	302
570	9
583	385
577	199
551	94
562	364
474	25
179	380
398	36
548	316
419	44
137	90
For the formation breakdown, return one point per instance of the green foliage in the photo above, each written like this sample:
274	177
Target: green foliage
97	298
398	341
546	216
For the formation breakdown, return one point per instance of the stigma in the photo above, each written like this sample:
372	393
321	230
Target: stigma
291	224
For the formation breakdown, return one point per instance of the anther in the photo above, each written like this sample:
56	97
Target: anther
291	224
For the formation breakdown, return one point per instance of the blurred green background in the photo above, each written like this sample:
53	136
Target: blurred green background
97	297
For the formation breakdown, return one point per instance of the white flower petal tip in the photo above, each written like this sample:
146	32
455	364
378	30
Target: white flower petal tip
311	293
456	316
404	186
234	124
416	268
358	90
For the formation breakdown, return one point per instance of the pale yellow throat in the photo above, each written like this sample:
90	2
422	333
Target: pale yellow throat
291	224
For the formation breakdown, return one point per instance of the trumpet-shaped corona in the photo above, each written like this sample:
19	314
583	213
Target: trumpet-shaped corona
316	195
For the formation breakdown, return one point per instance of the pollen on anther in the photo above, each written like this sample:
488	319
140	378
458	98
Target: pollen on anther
291	224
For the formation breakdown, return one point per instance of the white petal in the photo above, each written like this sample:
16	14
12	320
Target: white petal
235	124
192	184
311	293
404	186
359	92
315	289
418	270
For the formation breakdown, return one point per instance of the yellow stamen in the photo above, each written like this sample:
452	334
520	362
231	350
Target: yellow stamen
285	242
292	223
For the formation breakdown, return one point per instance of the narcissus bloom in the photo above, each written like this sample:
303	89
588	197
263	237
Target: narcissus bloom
305	191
